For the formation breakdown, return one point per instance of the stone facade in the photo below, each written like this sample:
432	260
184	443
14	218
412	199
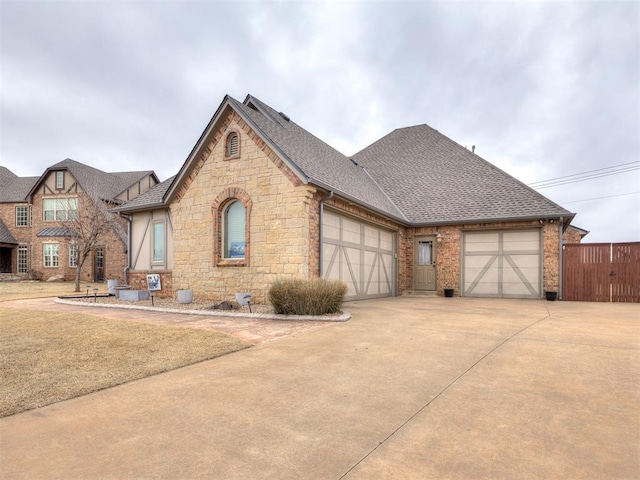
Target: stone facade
278	229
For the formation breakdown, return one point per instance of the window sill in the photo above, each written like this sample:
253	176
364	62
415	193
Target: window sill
233	263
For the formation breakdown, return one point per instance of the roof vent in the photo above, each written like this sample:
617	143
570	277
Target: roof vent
285	116
473	148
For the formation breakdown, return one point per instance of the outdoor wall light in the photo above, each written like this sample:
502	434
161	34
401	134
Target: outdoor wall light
439	237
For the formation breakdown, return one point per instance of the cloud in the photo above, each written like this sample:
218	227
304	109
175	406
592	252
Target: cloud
543	89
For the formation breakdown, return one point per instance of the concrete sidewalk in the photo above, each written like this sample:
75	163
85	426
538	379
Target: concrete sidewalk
408	388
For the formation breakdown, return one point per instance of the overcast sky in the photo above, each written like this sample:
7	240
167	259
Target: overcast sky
543	89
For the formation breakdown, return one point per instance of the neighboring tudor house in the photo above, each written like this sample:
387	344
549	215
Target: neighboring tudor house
260	198
34	213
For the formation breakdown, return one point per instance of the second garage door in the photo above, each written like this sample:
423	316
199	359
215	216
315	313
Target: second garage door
359	254
505	263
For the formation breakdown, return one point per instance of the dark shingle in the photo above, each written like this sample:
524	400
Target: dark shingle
5	235
321	163
154	197
16	189
432	179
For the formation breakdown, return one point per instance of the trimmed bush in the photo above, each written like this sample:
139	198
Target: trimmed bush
307	297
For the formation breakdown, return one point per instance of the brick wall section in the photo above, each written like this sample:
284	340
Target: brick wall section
138	281
21	234
279	228
449	255
115	256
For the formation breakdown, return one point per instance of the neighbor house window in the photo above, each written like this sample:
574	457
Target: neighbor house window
60	209
59	180
50	254
158	242
73	255
234	230
22	216
232	145
23	259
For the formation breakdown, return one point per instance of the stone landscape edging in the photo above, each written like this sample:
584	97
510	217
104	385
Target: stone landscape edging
343	317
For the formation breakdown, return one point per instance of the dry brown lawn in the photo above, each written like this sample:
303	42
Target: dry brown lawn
47	357
23	290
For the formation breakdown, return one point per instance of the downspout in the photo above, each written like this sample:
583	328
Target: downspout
129	219
560	228
320	259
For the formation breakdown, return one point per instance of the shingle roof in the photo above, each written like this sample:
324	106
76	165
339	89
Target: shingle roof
321	163
432	179
415	174
6	175
154	197
5	235
16	189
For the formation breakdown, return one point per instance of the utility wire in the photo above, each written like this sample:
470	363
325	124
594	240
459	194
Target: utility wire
589	175
582	179
600	198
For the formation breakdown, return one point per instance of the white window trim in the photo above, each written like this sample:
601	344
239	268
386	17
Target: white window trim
153	242
23	252
59	180
55	264
56	208
26	217
73	259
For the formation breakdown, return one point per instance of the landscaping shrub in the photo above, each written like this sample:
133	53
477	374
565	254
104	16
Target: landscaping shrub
307	297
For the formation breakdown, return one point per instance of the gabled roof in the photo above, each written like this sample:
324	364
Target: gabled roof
149	200
415	175
103	185
432	179
5	235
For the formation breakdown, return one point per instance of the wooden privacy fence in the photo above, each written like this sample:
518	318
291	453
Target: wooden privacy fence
601	272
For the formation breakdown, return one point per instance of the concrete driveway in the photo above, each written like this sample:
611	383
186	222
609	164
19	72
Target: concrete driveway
408	388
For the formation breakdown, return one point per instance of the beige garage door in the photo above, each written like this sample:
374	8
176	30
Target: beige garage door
359	254
504	263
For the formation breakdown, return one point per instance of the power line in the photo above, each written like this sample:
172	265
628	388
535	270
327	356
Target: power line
585	178
588	175
600	198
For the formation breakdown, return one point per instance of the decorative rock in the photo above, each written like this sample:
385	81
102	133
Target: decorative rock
56	278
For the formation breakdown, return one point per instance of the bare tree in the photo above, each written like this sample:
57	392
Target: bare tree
87	226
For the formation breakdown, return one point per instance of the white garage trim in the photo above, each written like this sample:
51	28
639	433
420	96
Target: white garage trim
502	263
360	254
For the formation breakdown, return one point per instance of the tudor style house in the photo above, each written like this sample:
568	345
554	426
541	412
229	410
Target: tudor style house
35	214
260	198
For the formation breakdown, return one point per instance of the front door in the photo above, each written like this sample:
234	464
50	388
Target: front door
98	265
425	264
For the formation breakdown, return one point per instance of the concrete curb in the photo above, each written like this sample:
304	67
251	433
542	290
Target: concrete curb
343	317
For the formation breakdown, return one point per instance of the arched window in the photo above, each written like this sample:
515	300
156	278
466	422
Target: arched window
234	232
232	145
